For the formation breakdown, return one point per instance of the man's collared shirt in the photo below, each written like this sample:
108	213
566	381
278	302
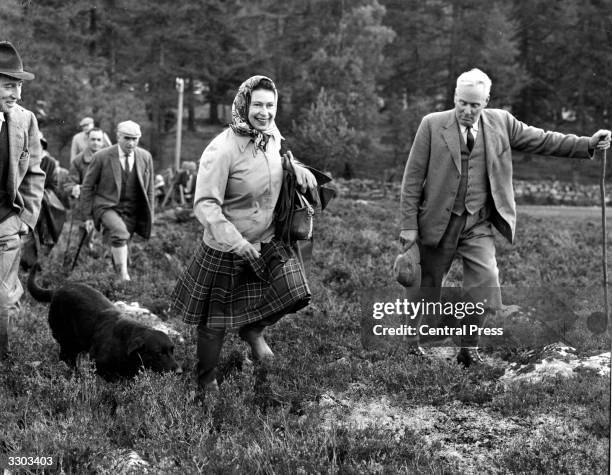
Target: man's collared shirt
130	157
2	120
475	127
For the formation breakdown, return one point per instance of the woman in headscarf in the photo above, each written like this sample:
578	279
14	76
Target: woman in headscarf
241	277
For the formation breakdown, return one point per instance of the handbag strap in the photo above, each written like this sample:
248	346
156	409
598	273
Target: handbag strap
286	202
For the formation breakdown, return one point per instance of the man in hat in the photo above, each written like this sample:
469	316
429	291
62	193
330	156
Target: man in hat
21	182
118	192
458	184
79	141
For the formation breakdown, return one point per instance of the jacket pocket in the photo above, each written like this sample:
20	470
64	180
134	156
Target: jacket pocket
23	163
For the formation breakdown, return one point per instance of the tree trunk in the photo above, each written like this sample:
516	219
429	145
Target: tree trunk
156	129
213	116
452	55
112	56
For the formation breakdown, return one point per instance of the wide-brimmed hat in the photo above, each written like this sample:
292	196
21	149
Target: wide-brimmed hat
407	267
10	62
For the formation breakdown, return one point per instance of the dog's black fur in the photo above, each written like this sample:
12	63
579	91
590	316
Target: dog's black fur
84	320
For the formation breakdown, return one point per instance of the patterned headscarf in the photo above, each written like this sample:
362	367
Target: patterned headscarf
240	113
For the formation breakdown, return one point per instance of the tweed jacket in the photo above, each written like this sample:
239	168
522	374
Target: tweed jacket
25	180
78	167
101	188
433	171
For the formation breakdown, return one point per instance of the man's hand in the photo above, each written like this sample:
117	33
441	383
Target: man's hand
247	251
89	225
408	237
600	140
305	179
76	191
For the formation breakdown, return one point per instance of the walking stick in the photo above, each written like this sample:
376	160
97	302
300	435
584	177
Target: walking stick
65	262
605	256
84	235
602	188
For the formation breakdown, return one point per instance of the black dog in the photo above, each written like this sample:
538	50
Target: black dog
84	320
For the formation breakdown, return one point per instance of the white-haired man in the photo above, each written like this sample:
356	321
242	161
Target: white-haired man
457	185
118	192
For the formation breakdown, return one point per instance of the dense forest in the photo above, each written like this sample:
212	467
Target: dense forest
355	77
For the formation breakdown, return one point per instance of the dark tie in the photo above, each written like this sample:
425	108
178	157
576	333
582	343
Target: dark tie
470	138
127	160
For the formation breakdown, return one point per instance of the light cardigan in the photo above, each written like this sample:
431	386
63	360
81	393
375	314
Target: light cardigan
236	191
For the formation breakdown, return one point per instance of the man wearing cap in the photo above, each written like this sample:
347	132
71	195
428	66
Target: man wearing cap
21	183
457	185
79	141
118	192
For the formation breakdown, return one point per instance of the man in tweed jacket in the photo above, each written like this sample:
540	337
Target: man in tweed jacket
458	184
118	192
21	183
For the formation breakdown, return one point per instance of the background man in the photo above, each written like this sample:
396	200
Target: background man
78	169
79	141
118	192
78	166
53	213
458	184
21	182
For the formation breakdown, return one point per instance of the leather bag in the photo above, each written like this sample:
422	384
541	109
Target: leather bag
52	218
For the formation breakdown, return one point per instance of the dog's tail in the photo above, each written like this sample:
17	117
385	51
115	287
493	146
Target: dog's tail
39	294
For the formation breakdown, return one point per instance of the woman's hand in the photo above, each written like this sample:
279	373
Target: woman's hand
247	251
305	179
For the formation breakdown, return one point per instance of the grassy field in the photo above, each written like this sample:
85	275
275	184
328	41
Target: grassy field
326	404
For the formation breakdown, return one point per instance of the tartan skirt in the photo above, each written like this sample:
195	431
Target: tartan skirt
223	290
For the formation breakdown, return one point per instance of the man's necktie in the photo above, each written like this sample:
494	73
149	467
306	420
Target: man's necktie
126	161
469	138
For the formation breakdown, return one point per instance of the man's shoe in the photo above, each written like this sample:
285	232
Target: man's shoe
469	355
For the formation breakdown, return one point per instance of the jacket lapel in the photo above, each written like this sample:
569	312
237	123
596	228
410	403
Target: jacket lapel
139	164
491	139
16	146
451	137
116	166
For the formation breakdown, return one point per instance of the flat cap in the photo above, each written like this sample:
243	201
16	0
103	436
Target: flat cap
129	127
86	121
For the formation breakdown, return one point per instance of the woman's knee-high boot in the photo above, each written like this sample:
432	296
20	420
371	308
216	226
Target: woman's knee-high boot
210	341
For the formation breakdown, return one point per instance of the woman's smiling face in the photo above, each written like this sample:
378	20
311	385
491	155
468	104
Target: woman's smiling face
262	109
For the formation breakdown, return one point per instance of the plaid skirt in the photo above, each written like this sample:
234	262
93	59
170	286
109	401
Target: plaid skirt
227	291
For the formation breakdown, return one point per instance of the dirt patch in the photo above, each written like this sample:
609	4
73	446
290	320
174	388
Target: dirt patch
555	361
468	437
